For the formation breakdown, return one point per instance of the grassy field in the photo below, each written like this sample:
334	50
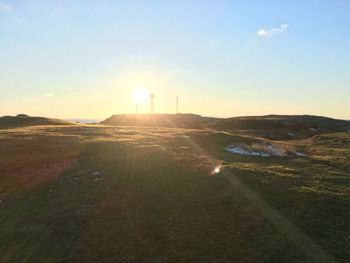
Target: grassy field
79	193
7	122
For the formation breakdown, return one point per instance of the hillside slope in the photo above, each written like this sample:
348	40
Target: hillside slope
192	121
9	122
293	122
270	126
283	126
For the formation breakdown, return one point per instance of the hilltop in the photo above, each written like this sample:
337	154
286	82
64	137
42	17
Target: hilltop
192	121
293	122
282	126
276	127
21	120
269	126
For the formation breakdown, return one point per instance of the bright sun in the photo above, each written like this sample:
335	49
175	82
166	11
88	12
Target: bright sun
140	95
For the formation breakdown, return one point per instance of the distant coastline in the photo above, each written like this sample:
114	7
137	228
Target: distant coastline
86	121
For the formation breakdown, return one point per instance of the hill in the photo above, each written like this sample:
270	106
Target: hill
271	126
192	121
9	122
282	126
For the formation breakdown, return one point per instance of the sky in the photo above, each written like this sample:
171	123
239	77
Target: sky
83	59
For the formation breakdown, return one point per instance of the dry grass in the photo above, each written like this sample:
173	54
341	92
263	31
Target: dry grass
155	200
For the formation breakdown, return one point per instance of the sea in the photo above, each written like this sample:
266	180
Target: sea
85	121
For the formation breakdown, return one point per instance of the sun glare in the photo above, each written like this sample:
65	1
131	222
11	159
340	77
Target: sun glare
140	95
216	170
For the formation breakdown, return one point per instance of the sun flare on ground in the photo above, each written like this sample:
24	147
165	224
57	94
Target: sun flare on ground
140	95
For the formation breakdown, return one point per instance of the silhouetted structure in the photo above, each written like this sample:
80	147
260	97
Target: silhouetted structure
177	104
152	102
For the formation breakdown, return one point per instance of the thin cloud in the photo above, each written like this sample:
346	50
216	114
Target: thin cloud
50	95
271	31
5	7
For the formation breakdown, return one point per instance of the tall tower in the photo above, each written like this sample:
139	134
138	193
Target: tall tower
152	102
177	104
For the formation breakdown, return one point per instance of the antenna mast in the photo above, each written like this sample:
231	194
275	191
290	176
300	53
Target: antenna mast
177	104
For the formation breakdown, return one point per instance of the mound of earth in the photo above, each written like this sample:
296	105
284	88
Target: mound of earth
8	122
191	121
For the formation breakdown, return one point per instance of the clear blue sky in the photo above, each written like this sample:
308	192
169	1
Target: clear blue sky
71	58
